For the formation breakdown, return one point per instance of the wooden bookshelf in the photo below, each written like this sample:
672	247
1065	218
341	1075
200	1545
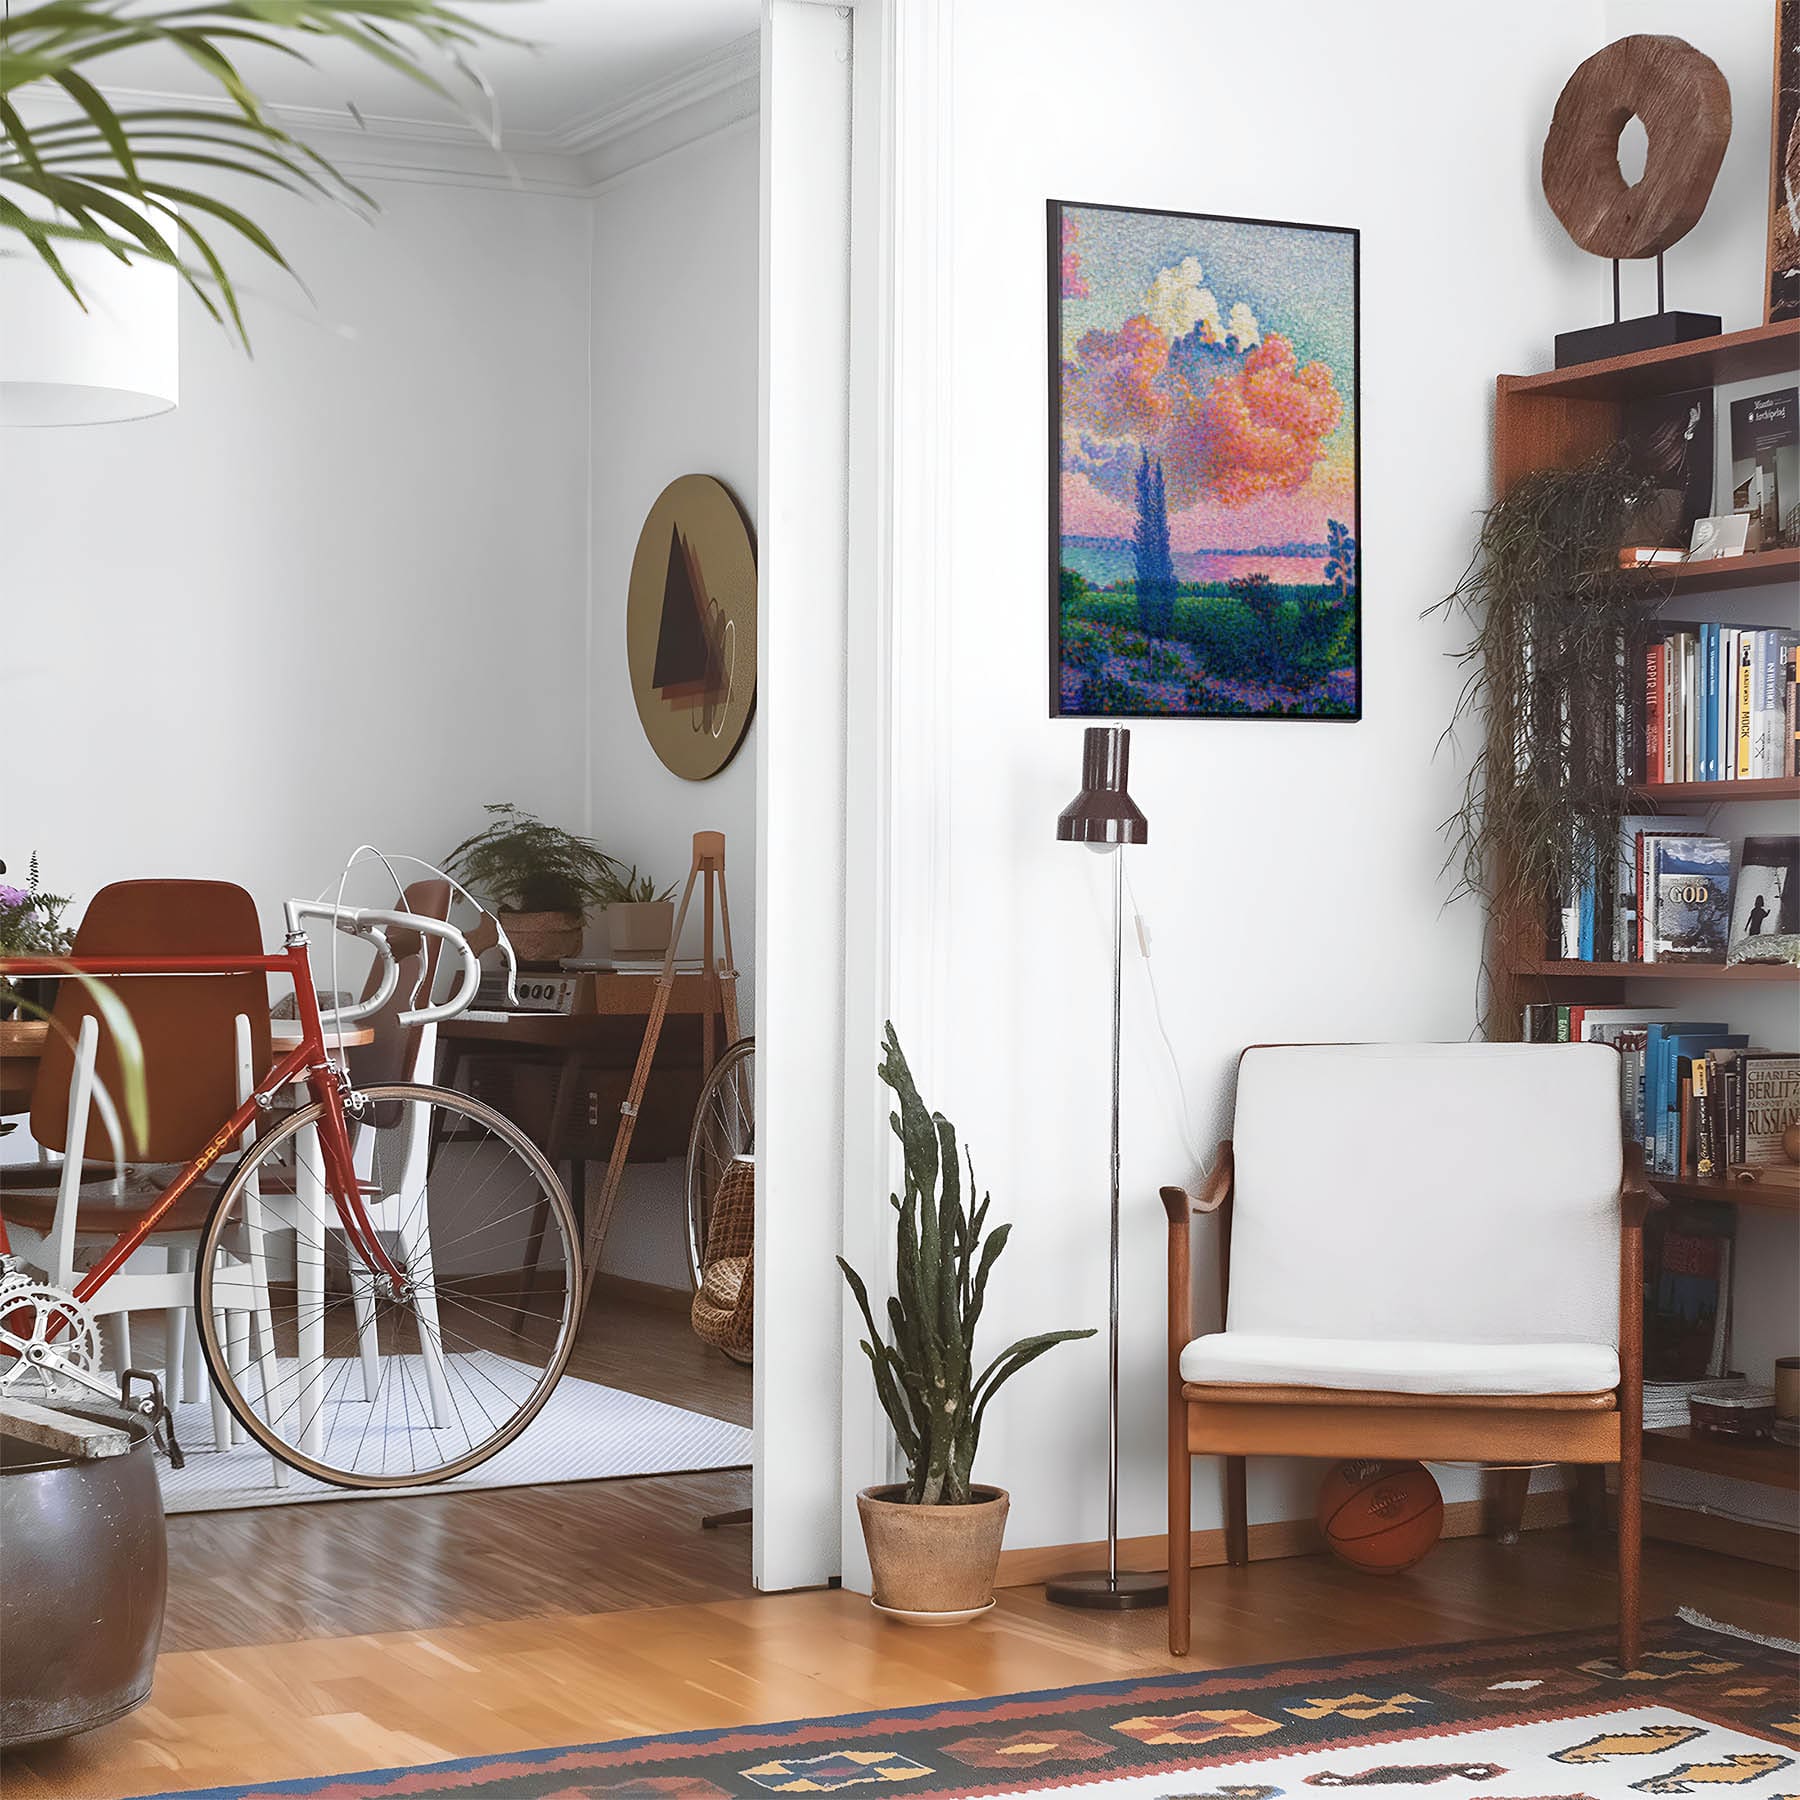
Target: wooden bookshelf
1765	1197
1760	568
1713	793
1550	970
1762	351
1743	1459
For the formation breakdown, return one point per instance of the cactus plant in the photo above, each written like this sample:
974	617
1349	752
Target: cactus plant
925	1376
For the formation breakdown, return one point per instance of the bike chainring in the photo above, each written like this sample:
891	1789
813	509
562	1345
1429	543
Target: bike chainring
33	1313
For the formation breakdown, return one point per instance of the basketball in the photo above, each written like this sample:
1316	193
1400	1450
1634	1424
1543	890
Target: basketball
1380	1517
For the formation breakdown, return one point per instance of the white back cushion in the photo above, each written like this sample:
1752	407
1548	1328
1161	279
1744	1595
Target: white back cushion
1457	1192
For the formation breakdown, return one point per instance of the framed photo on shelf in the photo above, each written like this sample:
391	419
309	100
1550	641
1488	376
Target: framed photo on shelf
1204	474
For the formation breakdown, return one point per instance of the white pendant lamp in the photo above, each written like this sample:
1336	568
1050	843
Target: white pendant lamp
120	359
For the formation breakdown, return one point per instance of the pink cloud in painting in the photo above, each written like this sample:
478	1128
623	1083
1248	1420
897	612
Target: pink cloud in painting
1263	427
1224	427
1074	286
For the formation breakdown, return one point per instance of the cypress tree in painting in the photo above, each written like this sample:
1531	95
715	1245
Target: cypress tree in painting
1155	565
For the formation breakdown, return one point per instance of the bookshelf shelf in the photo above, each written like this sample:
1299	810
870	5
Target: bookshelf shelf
1758	1460
1655	971
1758	569
1776	787
1772	1197
1764	350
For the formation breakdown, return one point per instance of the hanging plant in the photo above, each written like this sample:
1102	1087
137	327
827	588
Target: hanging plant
1549	680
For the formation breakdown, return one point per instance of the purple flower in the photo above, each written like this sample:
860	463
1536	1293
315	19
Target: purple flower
13	897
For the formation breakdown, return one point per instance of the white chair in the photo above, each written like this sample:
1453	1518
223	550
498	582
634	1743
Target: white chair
1426	1251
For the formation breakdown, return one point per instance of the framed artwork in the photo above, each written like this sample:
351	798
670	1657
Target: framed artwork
1783	300
1204	478
690	626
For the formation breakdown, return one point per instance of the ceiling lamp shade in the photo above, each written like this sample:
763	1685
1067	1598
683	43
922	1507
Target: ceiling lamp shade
61	366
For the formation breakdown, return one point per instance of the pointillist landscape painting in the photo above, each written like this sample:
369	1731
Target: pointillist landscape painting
1205	506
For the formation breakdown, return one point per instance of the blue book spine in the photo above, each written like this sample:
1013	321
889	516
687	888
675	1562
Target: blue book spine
1587	919
1709	716
1649	1093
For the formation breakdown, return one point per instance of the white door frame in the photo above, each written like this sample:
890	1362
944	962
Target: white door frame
853	859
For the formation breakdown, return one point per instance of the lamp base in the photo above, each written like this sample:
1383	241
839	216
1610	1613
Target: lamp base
1096	1591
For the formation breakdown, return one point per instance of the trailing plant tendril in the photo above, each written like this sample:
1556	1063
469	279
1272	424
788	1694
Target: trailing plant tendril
1549	678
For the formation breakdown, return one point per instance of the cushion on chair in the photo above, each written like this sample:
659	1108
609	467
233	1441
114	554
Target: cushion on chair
1413	1367
1437	1194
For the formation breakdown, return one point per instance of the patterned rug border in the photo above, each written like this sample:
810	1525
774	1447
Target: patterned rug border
1198	1684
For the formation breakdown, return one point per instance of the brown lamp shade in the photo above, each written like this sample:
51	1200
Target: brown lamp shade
1103	812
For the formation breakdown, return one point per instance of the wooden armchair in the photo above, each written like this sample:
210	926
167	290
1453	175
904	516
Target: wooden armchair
1428	1251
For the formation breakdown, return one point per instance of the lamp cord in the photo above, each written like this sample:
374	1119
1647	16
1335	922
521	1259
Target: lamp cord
1184	1113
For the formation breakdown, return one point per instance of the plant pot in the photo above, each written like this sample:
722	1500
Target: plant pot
933	1565
540	940
640	927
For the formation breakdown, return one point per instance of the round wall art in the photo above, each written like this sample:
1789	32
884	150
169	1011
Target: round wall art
690	626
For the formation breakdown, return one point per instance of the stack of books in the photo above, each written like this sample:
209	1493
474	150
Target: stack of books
1678	894
1718	704
1699	1097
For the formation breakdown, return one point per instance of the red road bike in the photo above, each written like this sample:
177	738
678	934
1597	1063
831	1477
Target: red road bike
387	1280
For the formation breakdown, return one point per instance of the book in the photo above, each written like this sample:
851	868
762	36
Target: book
1706	1161
1741	755
1765	458
1688	880
1766	898
1669	438
1769	1102
1632	830
1768	701
1687	1301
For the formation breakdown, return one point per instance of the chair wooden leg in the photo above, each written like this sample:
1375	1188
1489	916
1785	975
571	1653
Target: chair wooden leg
1630	1553
1237	1512
1590	1499
1181	1526
1506	1502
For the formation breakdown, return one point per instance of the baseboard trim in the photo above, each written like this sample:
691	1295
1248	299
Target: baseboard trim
1730	1537
645	1293
1271	1538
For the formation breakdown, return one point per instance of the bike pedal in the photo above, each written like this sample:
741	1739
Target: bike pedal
156	1410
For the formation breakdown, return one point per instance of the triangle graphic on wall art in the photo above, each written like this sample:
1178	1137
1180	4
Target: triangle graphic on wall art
687	667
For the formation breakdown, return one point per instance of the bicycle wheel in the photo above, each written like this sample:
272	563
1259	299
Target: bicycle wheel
333	1367
724	1126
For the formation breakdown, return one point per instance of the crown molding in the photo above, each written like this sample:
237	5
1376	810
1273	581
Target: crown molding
706	96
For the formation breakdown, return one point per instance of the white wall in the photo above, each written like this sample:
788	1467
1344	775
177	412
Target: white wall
1292	879
674	346
376	527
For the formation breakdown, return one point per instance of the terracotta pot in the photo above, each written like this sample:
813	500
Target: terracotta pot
640	927
933	1559
540	940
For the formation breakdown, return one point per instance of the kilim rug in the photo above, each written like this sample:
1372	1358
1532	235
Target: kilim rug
1542	1718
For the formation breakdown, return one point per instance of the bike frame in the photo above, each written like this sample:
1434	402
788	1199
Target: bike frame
307	1061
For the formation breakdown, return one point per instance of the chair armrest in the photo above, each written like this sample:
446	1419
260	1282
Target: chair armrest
1636	1196
1179	1204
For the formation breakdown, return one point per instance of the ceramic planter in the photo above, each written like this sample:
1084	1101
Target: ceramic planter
933	1565
542	939
640	928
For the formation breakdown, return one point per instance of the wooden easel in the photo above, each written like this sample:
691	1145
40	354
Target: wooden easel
720	976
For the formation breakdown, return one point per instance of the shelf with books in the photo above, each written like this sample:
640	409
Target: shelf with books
1757	569
1766	1197
1553	970
1770	787
1743	1459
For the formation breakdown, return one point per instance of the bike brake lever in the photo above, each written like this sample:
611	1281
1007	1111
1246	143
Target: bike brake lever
156	1409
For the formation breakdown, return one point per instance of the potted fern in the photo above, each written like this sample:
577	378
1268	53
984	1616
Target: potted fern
934	1539
542	878
639	919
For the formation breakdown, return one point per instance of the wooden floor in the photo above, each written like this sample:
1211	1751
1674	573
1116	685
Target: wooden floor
336	1704
278	1574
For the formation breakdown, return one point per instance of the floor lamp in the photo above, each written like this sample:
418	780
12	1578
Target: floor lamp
1104	817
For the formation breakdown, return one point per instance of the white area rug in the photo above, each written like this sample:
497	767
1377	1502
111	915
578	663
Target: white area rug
586	1432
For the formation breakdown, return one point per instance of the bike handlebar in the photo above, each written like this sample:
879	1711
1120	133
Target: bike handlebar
373	924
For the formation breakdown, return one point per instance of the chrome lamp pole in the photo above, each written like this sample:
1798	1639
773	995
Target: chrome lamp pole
1105	818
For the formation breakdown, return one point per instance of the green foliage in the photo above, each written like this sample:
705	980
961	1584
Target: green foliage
522	863
925	1372
121	179
626	887
31	920
1071	584
1548	680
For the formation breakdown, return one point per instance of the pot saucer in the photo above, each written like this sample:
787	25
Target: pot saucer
901	1616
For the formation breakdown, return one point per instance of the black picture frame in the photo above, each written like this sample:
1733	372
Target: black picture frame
1054	210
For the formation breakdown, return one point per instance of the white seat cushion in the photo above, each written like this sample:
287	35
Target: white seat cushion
1394	1366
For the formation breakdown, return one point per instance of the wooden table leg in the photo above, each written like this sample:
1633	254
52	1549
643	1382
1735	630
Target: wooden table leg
568	1078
